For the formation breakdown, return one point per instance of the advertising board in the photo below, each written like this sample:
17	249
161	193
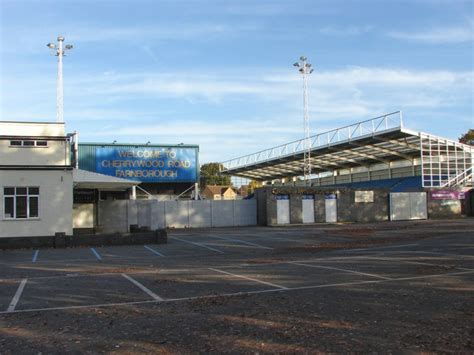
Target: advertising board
447	195
154	164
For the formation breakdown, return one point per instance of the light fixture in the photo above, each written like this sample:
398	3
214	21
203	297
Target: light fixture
305	70
59	51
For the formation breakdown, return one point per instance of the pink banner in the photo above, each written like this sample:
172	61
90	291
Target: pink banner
446	195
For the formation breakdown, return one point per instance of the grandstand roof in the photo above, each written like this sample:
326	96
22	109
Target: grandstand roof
379	140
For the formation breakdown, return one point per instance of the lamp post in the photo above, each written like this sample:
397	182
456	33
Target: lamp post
59	50
305	69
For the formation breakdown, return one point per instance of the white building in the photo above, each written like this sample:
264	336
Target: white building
36	180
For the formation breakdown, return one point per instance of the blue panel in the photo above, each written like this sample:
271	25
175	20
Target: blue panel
308	197
282	197
153	164
330	197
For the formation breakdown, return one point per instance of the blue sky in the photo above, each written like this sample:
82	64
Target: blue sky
219	73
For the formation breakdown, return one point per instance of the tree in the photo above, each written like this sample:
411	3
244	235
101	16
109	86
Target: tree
468	137
253	185
211	175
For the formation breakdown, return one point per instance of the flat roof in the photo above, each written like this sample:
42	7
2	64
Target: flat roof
33	122
381	139
119	144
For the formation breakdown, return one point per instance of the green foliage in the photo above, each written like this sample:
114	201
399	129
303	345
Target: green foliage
253	185
211	175
468	137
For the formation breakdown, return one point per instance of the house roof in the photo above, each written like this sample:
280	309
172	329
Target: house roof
84	179
217	189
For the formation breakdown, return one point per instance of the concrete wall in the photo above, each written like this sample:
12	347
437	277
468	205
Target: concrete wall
27	129
296	209
55	204
117	216
83	215
347	209
350	211
57	152
113	216
445	208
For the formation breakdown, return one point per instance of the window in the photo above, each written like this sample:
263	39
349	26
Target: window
21	202
28	143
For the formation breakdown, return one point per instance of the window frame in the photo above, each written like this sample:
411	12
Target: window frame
34	145
28	195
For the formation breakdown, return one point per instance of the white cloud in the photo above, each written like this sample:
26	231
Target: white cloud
346	31
233	112
437	35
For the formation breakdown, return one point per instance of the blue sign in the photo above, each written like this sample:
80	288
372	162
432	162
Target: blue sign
154	164
282	197
330	197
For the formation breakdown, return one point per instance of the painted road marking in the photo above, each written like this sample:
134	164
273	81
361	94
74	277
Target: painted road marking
97	255
249	278
384	247
143	288
242	241
153	250
35	256
184	299
338	269
16	298
198	244
461	256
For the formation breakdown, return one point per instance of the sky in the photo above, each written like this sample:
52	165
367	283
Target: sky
219	73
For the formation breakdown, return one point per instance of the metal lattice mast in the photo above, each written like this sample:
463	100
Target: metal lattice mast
60	50
305	70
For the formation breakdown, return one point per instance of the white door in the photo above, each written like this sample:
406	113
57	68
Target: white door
331	208
418	204
283	209
308	208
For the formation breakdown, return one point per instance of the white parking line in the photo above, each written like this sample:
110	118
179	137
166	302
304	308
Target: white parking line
17	296
338	269
461	256
382	247
198	244
97	255
242	241
143	288
273	290
249	278
153	250
35	256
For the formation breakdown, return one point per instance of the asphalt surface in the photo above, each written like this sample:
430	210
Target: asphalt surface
404	286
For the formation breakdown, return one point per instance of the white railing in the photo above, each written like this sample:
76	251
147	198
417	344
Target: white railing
359	130
459	179
444	163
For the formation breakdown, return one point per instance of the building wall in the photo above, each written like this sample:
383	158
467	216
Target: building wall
83	215
56	153
55	204
449	208
41	129
296	209
347	209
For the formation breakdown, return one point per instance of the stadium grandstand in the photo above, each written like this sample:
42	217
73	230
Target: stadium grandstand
379	152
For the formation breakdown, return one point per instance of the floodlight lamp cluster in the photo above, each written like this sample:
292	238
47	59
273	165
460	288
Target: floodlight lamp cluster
304	67
59	47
